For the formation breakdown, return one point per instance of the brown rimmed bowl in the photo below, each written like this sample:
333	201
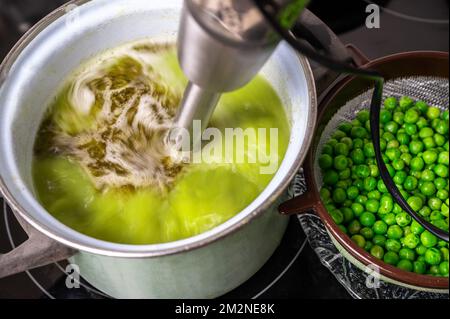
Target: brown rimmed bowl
410	64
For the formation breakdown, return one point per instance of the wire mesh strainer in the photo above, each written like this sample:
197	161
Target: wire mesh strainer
420	75
432	90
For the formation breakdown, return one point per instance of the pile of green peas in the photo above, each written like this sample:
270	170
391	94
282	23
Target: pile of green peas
415	146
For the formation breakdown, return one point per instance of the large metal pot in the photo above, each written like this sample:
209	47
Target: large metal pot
203	266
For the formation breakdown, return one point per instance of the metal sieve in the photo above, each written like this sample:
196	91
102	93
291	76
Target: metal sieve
432	90
420	75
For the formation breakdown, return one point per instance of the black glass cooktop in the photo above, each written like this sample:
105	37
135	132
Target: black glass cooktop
294	271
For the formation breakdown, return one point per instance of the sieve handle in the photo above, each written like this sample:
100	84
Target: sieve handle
37	251
310	200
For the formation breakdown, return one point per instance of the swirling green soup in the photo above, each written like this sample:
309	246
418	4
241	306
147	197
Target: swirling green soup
100	166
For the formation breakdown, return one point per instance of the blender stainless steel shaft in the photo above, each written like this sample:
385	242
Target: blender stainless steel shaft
222	45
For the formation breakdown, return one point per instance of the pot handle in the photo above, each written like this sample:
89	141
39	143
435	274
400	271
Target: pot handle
37	251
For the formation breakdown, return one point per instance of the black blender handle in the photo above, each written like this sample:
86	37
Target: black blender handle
269	9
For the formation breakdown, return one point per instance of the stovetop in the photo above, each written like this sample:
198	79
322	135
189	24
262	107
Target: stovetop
294	271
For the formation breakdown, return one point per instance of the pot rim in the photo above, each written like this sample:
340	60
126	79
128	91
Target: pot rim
175	247
410	278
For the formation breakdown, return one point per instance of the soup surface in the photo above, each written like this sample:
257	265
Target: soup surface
101	166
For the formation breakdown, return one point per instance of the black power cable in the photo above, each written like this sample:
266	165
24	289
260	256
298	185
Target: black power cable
270	9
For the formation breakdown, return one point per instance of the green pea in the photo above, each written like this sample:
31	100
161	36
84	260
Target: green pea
341	149
391	258
426	132
411	241
415	202
388	136
340	162
416	228
399	117
390	103
363	116
433	256
421	106
338	134
435	203
393	245
363	171
445	115
375	194
357	156
359	240
443	158
429	157
421	250
417	164
327	149
357	209
389	219
386	205
440	183
443	268
441	170
439	140
395	232
411	129
370	183
428	239
428	175
415	147
419	267
403	219
421	122
405	264
406	253
367	233
381	186
330	177
410	183
442	127
411	116
444	253
377	251
393	153
400	177
361	199
354	227
367	219
348	214
429	143
428	188
339	195
425	211
434	270
433	113
406	157
380	227
442	194
398	164
359	132
403	138
391	127
337	216
379	240
352	192
374	171
405	102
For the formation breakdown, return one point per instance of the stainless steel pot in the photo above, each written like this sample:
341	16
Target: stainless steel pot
203	266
